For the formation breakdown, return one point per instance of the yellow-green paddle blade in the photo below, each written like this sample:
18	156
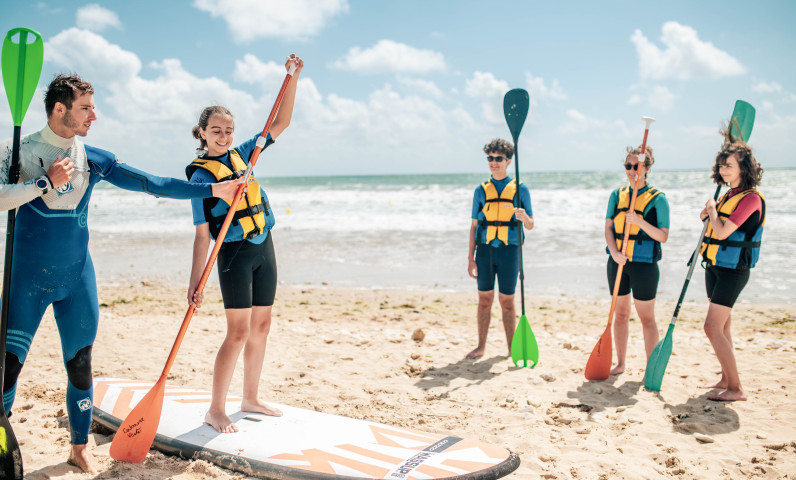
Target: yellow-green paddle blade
23	56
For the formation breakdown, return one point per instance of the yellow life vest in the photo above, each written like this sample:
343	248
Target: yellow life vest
498	211
741	249
640	246
252	208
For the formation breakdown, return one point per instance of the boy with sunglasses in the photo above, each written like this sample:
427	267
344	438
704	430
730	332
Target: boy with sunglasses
649	228
494	249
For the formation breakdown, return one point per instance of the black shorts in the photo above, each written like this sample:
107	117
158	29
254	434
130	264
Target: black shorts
642	278
251	278
503	262
723	285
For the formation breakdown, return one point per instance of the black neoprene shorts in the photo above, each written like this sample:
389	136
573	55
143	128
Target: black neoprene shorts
251	278
642	278
723	285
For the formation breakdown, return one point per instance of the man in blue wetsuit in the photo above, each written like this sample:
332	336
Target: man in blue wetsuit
52	264
494	249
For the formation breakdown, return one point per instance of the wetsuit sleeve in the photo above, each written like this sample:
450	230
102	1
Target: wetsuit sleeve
613	201
197	204
13	195
105	164
525	199
246	148
661	206
479	198
746	207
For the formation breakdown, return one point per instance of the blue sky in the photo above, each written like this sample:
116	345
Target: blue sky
417	86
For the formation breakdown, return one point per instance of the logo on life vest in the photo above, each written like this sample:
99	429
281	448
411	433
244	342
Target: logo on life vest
64	189
84	404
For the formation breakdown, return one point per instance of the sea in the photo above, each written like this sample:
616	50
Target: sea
411	232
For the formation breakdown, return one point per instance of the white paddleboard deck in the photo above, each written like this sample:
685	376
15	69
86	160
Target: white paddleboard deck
301	444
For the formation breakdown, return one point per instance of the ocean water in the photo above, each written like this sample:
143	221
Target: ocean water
411	231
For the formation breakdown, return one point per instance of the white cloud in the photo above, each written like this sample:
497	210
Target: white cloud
684	57
92	57
249	20
579	123
253	70
538	90
390	56
661	98
763	87
633	100
490	91
96	18
425	87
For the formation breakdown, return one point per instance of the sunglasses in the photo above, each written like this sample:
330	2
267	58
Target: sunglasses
498	158
631	167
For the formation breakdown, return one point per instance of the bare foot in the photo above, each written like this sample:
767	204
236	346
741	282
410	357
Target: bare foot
619	369
82	459
477	353
259	407
722	384
220	421
729	396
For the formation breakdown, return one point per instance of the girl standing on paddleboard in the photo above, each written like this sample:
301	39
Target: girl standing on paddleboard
649	228
246	262
730	249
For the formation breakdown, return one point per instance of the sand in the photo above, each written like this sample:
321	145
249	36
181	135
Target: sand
350	352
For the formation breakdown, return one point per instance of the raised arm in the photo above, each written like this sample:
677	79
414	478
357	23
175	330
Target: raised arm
285	113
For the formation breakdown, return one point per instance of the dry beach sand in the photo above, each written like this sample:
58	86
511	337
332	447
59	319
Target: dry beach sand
351	352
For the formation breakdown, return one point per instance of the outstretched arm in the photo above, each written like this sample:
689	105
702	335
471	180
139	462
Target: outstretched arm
124	176
285	113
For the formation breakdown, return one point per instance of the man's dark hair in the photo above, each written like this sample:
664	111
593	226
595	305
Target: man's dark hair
501	146
65	89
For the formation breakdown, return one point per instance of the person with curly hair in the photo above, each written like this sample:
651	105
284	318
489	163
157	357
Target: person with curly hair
649	228
494	246
731	248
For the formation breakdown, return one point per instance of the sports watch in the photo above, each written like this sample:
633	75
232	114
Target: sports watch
43	184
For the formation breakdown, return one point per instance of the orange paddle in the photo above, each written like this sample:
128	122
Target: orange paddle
599	365
137	432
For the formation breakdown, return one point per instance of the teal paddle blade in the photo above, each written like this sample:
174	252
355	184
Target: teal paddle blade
22	59
515	109
524	348
742	121
656	365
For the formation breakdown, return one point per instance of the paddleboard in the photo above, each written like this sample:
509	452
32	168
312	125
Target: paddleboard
302	444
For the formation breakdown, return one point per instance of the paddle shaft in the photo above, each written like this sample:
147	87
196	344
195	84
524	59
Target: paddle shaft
227	222
626	236
693	262
13	177
518	204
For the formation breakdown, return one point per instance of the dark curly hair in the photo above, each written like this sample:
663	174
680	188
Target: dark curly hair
751	171
500	145
65	89
649	158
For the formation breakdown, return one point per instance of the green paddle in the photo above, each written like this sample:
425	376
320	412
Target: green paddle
22	61
740	127
523	344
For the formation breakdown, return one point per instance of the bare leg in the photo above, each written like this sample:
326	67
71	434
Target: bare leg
646	313
80	457
509	317
722	383
485	300
237	334
621	331
717	330
253	357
